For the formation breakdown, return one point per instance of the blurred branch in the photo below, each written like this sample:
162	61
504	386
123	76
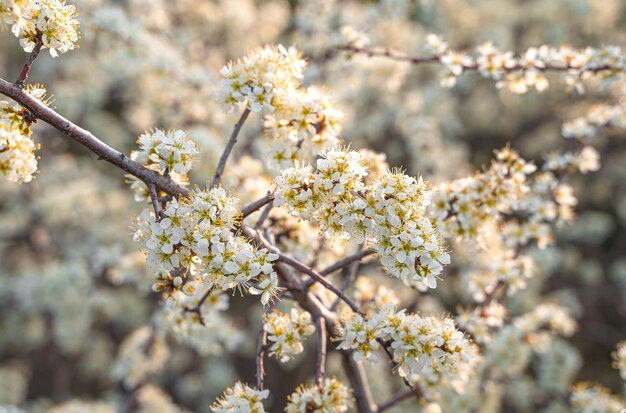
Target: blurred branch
320	365
359	383
400	57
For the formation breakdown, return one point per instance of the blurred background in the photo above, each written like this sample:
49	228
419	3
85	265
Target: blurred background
74	288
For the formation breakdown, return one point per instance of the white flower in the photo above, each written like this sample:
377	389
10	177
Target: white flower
241	399
435	45
53	22
261	79
18	162
287	331
333	397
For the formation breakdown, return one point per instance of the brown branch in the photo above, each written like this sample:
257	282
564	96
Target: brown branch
21	78
87	139
256	205
320	365
155	200
197	309
229	147
264	215
395	400
359	383
260	362
358	256
349	279
303	268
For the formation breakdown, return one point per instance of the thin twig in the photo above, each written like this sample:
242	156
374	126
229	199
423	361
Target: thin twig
320	365
408	393
264	215
155	200
256	205
348	280
260	356
343	263
21	78
303	268
229	147
197	309
358	256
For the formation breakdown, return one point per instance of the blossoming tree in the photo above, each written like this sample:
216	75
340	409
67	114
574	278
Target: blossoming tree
304	231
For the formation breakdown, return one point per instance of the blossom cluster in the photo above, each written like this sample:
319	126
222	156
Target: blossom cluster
170	153
51	23
391	212
509	350
591	398
483	322
428	349
241	398
208	330
504	209
143	353
299	122
287	331
18	162
306	123
521	73
166	151
332	396
593	123
619	359
197	235
261	79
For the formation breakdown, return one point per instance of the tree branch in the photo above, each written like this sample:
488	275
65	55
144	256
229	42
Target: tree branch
303	268
21	78
198	307
229	147
87	139
347	261
358	381
320	365
260	362
256	205
395	400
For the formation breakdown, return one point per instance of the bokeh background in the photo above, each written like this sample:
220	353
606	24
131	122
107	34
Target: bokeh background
73	287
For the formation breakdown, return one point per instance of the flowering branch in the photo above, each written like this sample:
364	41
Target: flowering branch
87	139
21	78
229	147
400	57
